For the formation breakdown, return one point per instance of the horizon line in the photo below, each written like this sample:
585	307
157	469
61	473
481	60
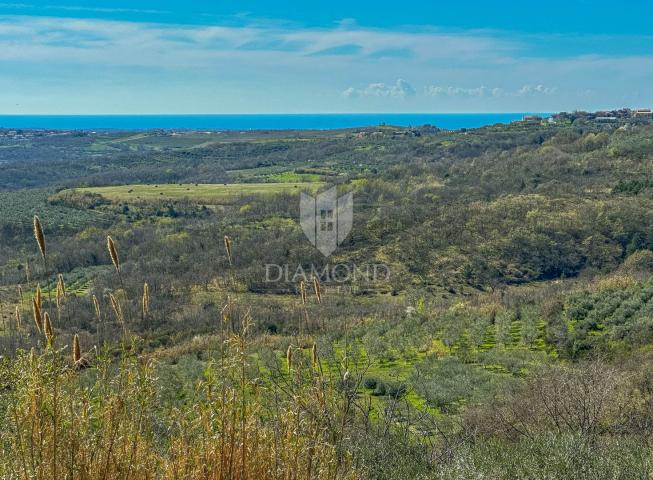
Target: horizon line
272	113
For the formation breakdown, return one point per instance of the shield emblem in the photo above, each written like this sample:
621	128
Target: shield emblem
326	219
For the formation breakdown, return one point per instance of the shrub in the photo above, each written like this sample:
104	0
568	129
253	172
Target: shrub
380	390
395	389
370	382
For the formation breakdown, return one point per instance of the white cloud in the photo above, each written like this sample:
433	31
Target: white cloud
482	91
535	90
77	8
134	43
48	63
401	89
437	91
351	92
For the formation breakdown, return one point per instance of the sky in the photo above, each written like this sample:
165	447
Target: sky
223	56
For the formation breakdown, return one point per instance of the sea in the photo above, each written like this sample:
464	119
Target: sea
449	121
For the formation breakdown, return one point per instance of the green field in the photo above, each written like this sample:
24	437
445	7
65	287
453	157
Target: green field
202	193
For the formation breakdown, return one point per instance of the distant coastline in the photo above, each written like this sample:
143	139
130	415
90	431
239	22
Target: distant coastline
450	121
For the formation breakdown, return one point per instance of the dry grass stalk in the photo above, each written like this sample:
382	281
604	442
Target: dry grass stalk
38	297
228	247
77	351
113	253
302	292
226	311
112	434
20	294
317	288
18	317
61	284
117	309
47	329
38	234
289	357
98	313
59	296
38	318
146	299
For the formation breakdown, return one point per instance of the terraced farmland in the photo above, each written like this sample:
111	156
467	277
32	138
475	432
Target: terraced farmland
19	206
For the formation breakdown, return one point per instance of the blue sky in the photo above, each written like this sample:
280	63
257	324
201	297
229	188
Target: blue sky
137	56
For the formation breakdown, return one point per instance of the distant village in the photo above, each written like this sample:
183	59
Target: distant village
24	134
605	116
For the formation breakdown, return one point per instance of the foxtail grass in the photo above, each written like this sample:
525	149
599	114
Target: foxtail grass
113	253
61	286
38	296
39	236
117	309
228	245
96	306
38	316
48	330
289	358
317	288
146	300
77	351
58	298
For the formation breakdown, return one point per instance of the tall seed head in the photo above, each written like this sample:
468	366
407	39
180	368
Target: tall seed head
117	309
38	296
61	285
77	351
96	304
146	299
113	253
289	357
47	328
59	296
302	292
38	234
38	319
20	294
18	317
317	288
228	247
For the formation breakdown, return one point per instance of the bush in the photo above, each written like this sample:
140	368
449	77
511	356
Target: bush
370	383
549	456
448	383
395	389
380	390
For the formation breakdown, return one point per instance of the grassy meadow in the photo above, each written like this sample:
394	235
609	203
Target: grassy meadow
209	194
